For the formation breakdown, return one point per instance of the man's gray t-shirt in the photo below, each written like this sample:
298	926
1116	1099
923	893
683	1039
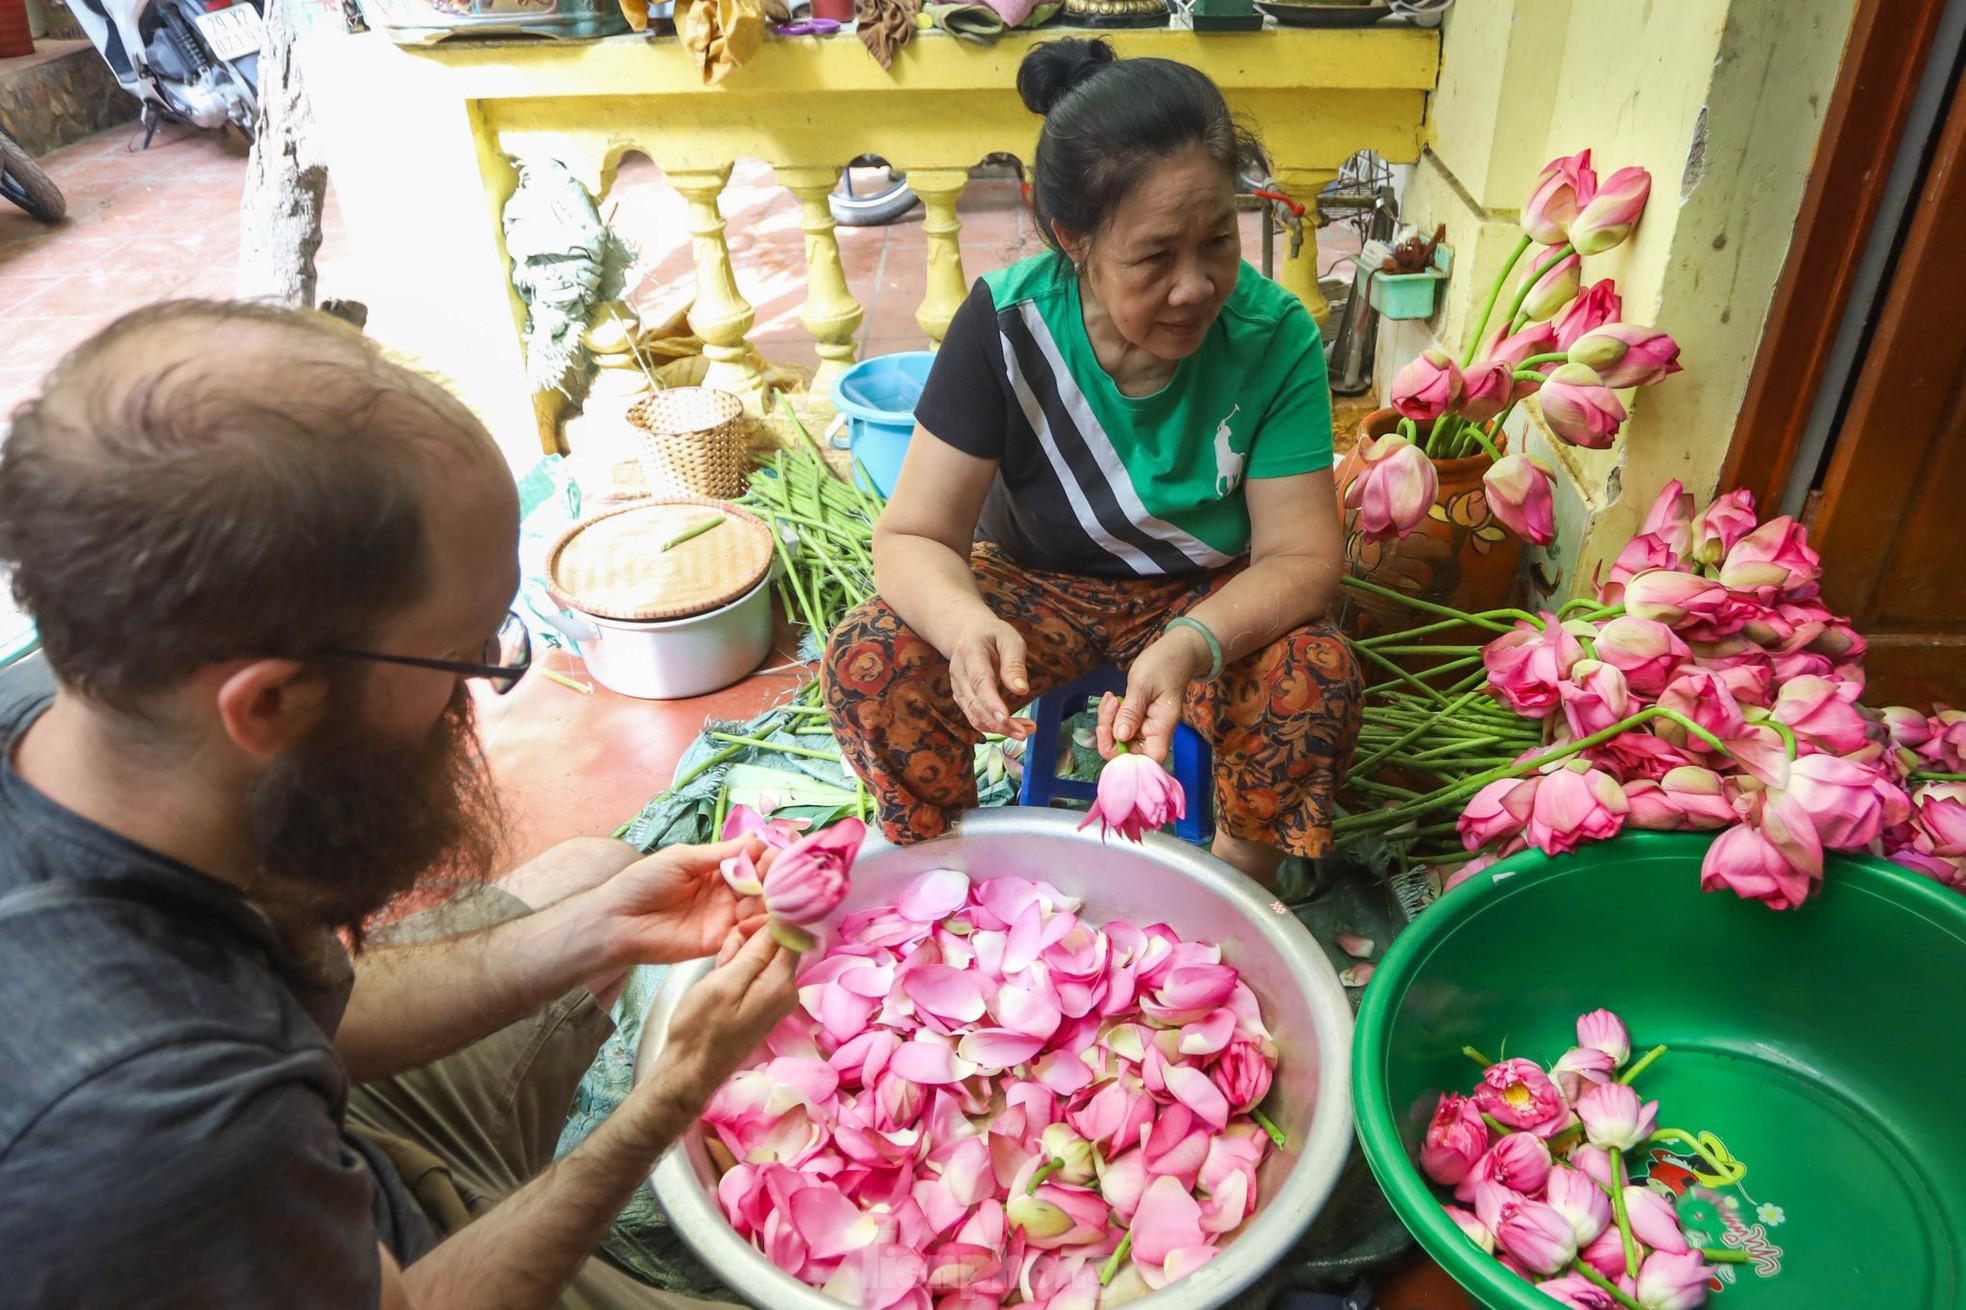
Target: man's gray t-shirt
171	1105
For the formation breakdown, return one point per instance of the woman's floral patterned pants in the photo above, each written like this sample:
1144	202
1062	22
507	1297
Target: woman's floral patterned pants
1281	721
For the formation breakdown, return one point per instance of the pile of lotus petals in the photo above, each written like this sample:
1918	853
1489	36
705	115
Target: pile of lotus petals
985	1101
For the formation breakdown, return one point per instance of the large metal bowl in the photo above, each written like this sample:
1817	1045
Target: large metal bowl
1160	881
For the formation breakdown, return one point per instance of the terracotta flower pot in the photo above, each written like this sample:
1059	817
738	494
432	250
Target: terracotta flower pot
1460	555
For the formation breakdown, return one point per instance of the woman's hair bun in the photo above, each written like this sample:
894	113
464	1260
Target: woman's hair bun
1052	68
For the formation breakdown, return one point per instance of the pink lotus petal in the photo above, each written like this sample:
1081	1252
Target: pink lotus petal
985	1226
843	1014
830	1224
1358	975
941	1207
1210	1035
929	1064
1039	1103
954	995
1227	1206
741	873
783	1245
989	947
967	1175
880	1277
1167	1220
1359	948
1007	898
1081	1292
998	1048
1026	940
1123	1181
1062	1073
1186	1261
934	896
1198	1092
1026	1010
955	1265
873	981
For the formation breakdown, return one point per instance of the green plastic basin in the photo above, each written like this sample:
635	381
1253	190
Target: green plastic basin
1822	1047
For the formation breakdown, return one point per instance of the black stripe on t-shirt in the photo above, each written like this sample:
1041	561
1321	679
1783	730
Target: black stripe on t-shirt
1091	479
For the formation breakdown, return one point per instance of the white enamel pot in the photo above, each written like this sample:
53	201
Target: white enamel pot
673	659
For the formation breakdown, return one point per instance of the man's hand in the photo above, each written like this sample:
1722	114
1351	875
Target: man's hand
673	905
722	1020
1156	686
986	661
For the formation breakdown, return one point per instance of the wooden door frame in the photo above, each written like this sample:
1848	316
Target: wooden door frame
1889	45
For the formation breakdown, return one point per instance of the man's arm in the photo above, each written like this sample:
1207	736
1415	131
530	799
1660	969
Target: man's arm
522	1254
416	1003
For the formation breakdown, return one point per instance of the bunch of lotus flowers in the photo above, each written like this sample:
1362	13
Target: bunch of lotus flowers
1539	1154
1559	341
985	1100
1707	688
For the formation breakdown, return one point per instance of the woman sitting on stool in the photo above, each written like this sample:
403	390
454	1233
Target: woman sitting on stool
1139	425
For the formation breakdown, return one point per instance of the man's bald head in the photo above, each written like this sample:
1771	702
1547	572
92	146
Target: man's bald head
204	481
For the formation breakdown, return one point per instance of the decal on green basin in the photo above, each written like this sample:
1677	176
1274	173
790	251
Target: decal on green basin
1715	1210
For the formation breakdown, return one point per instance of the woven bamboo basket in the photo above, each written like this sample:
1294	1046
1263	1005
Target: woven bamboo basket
692	442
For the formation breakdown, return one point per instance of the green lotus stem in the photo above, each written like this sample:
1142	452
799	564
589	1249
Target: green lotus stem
1046	1170
565	681
1434	751
702	767
691	533
1494	294
1412	736
1529	375
1441	611
1276	1134
1481	439
1567	1138
1119	1256
1639	1066
1550	358
1409	429
1383	788
1536	272
783	748
1724	1255
1496	1125
1618	1211
1476	1056
1427	650
1922	775
1402	674
1605	1283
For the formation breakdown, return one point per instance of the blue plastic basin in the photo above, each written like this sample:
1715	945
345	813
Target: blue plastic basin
878	398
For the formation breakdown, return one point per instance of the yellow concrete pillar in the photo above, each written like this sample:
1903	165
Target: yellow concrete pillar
831	314
721	316
939	189
1299	275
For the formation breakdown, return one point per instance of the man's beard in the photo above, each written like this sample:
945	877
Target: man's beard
347	821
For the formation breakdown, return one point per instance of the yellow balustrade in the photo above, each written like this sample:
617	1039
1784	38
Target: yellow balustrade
420	144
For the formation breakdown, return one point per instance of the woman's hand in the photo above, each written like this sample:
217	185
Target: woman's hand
986	661
1155	688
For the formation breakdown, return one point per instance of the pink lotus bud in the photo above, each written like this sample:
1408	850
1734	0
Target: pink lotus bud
1519	493
1518	1093
1947	872
1940	814
1527	666
1599	304
1578	1292
1627	356
1610	215
1671	597
1519	1162
1614	1119
1904	726
1476	1230
1774	557
1534	339
1580	409
1535	1234
1575	804
1704	698
1136	796
1454	1141
1851	805
1498	812
1578	1199
1072	1153
1946	744
1641	554
1670	519
1721	524
1604	1031
1562	189
809	879
1486	389
1825	711
1582	1067
1646	807
1427	387
1652	1219
1775	858
1594	697
1699	796
1243	1074
1648	653
1555	288
1394	491
1606	1254
1672	1282
1594	1161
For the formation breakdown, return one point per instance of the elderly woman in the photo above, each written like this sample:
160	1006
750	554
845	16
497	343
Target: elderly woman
1124	456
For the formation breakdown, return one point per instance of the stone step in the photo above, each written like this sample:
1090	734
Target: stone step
60	94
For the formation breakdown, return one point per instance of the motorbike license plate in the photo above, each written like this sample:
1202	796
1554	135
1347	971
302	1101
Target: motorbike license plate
232	33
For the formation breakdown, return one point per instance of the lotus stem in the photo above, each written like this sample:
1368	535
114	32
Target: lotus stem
1724	1255
1476	1056
1119	1257
1605	1283
1643	1063
1046	1170
1276	1134
1618	1212
1494	294
1536	271
1441	611
783	748
692	532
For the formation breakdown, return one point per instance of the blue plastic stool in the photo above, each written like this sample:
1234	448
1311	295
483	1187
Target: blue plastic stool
1194	766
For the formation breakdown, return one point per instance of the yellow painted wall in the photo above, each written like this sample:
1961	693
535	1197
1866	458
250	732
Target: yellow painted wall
1722	101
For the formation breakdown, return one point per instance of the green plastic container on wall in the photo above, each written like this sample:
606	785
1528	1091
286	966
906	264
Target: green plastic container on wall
1821	1047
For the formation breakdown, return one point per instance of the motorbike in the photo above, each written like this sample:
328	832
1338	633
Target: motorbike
186	61
23	182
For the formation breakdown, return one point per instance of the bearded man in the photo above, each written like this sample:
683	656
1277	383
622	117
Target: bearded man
264	562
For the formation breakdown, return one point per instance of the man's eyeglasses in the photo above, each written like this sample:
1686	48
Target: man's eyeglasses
504	660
